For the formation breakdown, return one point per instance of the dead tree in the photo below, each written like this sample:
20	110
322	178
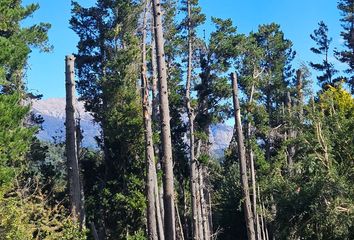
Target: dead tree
291	134
71	143
300	93
149	145
242	161
191	117
170	227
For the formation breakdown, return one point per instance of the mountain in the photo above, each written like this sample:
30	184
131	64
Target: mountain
53	112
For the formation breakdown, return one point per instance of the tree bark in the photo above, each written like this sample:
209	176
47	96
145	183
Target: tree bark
300	94
154	115
263	225
291	135
253	181
79	138
71	148
198	197
149	147
180	234
242	159
170	228
94	231
191	117
159	213
252	168
203	204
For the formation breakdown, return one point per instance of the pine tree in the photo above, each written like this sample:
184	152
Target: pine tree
107	60
323	41
347	54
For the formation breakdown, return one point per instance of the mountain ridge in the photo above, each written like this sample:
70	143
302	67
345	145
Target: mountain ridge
52	111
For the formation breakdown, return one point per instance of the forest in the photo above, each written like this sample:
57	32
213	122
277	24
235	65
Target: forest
155	85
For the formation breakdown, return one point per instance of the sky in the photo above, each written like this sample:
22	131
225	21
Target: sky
297	18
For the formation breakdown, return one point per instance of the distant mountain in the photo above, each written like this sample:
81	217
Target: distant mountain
53	112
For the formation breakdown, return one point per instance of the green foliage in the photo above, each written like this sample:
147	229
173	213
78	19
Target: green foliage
14	139
107	67
323	41
346	55
228	211
318	198
140	235
16	41
26	214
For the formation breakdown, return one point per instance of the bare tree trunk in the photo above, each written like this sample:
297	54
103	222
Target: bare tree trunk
159	213
155	111
253	172
198	197
253	181
242	158
94	231
291	135
300	94
155	100
170	228
200	204
180	234
71	150
210	213
149	145
191	117
204	224
79	138
263	226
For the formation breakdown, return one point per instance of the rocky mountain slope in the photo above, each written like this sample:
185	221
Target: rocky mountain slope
53	112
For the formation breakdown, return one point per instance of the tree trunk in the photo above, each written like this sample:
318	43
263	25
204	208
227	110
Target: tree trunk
155	100
71	148
154	115
94	231
159	213
191	117
197	193
170	228
200	203
79	138
149	145
180	234
300	94
253	172
205	222
210	213
253	181
242	159
263	225
291	135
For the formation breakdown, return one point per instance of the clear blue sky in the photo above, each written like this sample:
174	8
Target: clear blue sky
298	19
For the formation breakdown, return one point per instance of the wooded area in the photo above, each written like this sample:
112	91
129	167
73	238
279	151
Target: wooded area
156	87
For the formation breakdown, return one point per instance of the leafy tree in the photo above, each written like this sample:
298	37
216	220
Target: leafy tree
320	37
17	41
24	210
347	55
107	60
318	198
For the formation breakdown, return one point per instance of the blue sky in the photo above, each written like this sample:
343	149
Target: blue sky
298	19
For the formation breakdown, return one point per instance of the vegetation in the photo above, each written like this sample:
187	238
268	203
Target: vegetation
155	86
